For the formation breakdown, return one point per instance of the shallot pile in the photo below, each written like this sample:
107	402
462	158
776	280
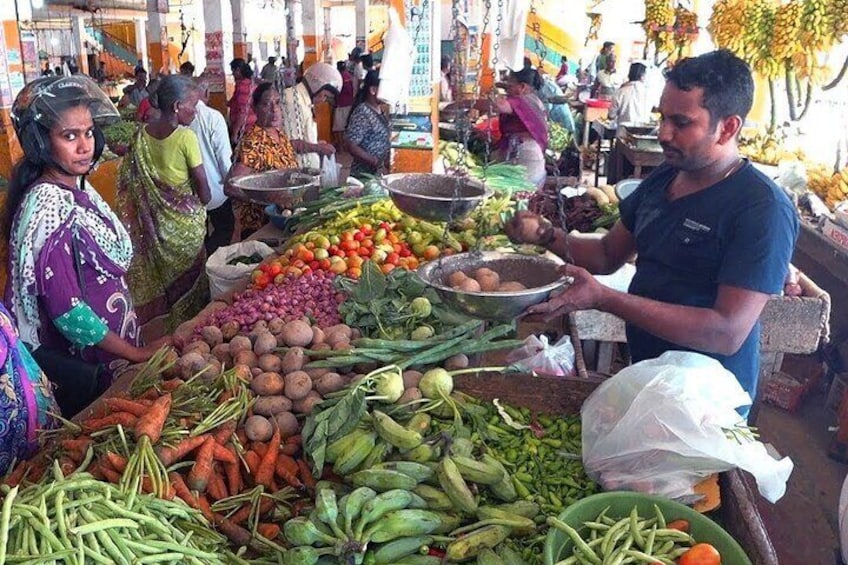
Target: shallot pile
311	295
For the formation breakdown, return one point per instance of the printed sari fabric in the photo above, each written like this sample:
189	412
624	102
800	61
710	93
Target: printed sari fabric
26	399
528	117
69	254
167	225
259	151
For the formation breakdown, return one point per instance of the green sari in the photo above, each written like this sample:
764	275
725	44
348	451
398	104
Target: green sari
167	225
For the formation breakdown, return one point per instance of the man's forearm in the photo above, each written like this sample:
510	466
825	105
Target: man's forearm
701	329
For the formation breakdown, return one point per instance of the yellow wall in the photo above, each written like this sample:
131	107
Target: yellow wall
125	31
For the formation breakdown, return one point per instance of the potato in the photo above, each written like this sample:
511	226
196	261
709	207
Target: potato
240	343
243	372
411	378
297	334
409	395
276	325
213	368
287	422
298	385
469	285
246	357
268	384
511	286
229	330
316	373
305	405
212	335
265	343
270	362
190	364
456	278
255	372
172	358
198	346
317	335
459	361
342	346
293	360
258	428
487	279
222	353
271	405
328	383
259	327
323	347
335	337
344	329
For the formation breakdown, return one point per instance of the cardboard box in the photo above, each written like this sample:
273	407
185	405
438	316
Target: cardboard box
836	233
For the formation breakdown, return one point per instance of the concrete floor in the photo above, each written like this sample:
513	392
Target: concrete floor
803	525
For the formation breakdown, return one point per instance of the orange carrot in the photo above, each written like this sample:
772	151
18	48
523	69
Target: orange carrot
147	486
260	448
237	535
205	508
268	531
288	463
123	405
225	432
76	448
681	525
284	473
181	489
223	454
172	384
118	462
151	424
111	475
290	449
217	489
252	459
67	465
17	475
198	477
150	394
170	455
124	419
306	474
265	472
233	474
266	505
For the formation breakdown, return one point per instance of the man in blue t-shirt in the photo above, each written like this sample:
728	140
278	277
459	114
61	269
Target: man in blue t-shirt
713	236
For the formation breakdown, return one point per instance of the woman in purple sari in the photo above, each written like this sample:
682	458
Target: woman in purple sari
68	252
523	124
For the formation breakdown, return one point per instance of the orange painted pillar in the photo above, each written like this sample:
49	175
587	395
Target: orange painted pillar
313	32
157	40
240	45
487	73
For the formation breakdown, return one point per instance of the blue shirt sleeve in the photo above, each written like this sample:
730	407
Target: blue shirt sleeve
760	249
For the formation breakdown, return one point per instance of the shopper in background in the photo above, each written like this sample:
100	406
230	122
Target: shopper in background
368	133
608	80
265	147
146	112
241	114
136	92
713	236
187	69
321	83
139	66
344	103
287	74
269	71
162	194
630	103
211	129
68	252
563	78
354	65
253	65
99	74
445	89
607	51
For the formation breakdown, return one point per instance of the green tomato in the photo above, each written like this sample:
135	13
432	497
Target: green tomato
414	237
422	332
335	240
421	307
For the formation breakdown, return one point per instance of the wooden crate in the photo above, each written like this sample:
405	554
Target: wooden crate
738	513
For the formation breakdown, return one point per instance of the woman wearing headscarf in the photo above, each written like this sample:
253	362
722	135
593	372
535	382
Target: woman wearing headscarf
523	123
162	193
68	252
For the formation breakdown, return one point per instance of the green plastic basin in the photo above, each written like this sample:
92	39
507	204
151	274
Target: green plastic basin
558	544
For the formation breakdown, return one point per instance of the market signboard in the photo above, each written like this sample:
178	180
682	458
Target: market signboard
140	5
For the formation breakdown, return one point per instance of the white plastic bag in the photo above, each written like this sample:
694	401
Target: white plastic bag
661	426
396	68
539	357
330	172
223	277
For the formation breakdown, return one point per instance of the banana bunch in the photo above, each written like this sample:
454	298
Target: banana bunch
455	155
837	10
816	25
786	41
659	23
344	527
766	147
685	26
832	188
727	26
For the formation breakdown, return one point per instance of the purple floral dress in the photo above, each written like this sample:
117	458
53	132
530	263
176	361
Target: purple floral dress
68	256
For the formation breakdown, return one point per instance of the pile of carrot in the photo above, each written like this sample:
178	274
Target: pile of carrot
238	485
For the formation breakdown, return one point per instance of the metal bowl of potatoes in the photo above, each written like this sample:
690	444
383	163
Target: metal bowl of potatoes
537	276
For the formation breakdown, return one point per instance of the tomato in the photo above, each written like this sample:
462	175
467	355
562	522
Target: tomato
306	256
335	240
338	267
393	258
324	264
255	274
681	525
314	265
414	237
700	554
359	236
321	254
339	253
412	262
387	268
347	236
354	272
431	252
322	242
367	229
299	263
262	280
280	279
366	243
393	238
355	260
385	226
350	245
333	248
404	251
310	245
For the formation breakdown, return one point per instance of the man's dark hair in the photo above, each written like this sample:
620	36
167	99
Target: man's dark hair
187	69
563	59
367	61
726	80
637	71
341	66
608	44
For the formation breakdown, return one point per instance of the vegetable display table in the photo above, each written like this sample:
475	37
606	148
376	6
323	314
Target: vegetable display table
638	158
